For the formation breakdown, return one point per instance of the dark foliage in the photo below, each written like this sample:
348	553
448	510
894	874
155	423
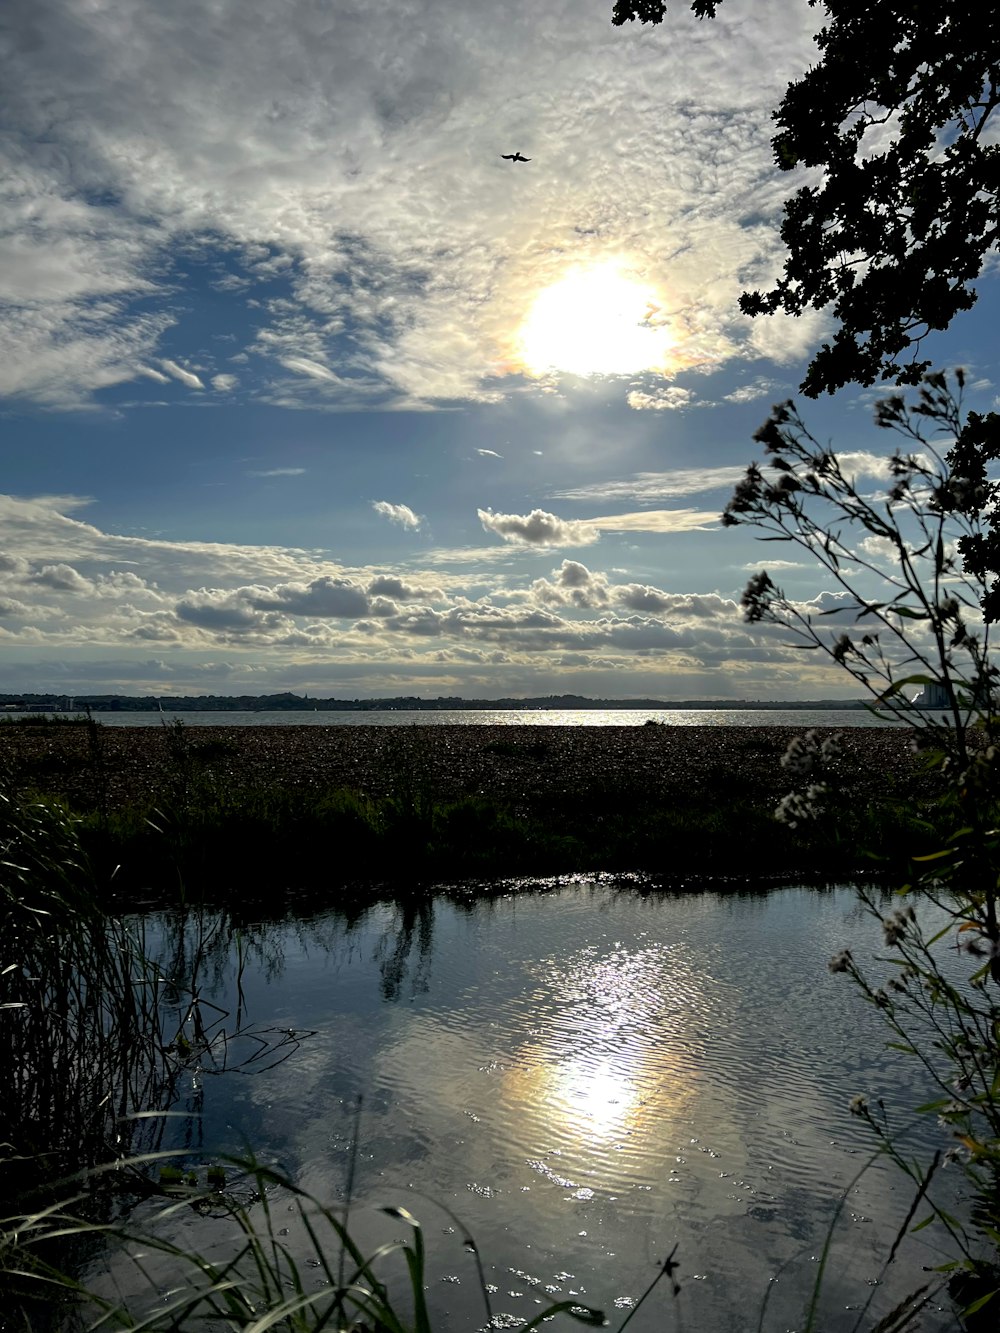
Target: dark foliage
893	235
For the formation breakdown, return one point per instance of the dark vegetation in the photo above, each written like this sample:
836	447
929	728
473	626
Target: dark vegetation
895	208
319	812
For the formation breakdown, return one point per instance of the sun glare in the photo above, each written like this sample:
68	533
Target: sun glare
595	321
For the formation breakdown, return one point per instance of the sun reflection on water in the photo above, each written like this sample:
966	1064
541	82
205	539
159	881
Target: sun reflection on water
614	1044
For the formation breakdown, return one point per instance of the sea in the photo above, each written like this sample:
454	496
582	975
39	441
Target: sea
508	717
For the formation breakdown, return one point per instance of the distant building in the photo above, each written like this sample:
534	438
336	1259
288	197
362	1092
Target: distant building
934	695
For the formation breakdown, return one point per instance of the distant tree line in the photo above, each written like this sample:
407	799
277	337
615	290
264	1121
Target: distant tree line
297	703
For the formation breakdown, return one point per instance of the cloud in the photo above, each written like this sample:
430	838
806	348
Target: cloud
346	177
61	577
224	383
328	597
538	528
277	472
774	565
832	605
400	514
59	354
671	399
862	463
650	487
401	590
787	339
749	393
303	366
639	597
659	520
81	605
217	611
488	453
187	377
573	584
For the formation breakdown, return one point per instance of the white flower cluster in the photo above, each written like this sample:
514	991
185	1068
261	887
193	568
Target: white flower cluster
799	806
808	752
894	927
954	1112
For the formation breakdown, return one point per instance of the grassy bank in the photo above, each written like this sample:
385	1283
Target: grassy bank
223	811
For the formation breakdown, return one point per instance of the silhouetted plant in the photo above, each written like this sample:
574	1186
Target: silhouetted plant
910	616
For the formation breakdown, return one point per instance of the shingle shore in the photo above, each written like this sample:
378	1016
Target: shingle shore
519	765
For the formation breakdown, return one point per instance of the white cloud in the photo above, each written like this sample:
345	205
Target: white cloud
403	590
187	377
573	584
400	514
649	487
61	577
254	634
304	366
277	472
488	453
774	565
671	399
538	528
749	393
659	520
355	170
787	339
862	463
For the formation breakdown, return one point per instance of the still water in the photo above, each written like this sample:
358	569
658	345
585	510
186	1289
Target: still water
584	1077
515	717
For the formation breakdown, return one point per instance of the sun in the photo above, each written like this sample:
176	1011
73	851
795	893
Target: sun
595	321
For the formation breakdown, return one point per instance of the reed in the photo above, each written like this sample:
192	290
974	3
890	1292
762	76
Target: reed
94	1034
322	1279
76	1003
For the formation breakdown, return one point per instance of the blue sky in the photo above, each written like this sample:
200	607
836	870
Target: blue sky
303	387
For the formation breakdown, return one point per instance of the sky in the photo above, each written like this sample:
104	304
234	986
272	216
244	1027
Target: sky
303	386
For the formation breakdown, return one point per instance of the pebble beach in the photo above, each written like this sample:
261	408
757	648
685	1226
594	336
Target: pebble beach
519	765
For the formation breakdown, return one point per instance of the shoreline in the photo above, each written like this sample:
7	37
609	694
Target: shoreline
255	818
125	766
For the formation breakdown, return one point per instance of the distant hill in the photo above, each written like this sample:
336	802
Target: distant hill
224	703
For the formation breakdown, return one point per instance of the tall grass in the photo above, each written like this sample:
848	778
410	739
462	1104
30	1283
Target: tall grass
78	1005
300	1270
94	1034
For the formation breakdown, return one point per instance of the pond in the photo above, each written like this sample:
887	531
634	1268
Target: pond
581	1078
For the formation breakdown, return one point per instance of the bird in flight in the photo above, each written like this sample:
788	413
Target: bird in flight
514	157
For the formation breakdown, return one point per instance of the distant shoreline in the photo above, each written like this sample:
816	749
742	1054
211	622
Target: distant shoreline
97	703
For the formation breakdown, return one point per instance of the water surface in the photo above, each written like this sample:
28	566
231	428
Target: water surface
584	1077
511	717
